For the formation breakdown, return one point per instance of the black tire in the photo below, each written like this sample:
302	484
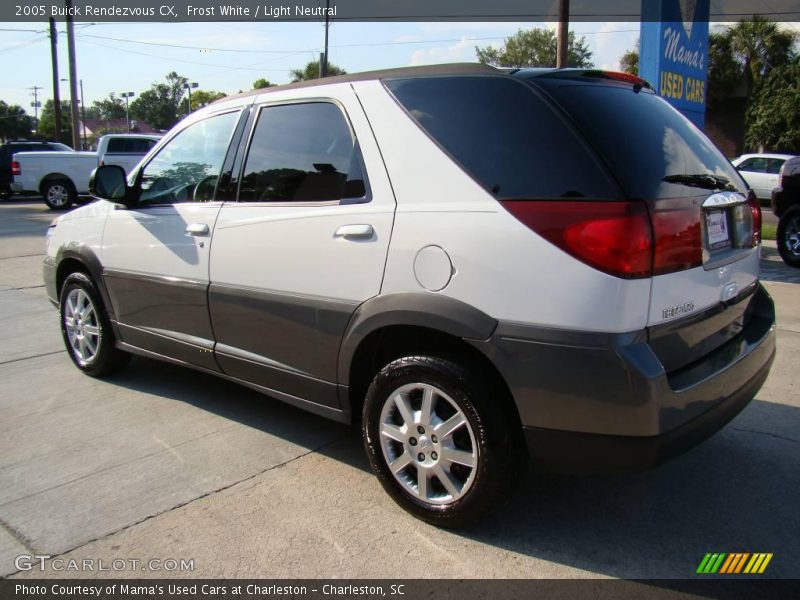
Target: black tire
499	456
59	194
788	236
106	358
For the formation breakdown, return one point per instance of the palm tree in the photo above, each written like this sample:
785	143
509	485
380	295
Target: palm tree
760	46
311	71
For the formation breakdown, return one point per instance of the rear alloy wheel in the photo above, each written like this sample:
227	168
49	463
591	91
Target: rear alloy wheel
432	451
788	237
440	440
59	194
86	328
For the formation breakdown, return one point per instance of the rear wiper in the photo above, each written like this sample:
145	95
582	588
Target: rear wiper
702	180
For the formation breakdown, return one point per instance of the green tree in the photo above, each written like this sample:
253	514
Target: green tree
47	122
629	62
311	71
536	48
14	123
760	46
724	71
261	83
160	105
200	98
773	118
107	108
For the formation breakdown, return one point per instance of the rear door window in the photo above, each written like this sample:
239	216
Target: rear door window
506	136
774	165
303	152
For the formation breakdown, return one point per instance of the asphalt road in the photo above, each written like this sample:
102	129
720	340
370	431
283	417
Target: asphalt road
164	463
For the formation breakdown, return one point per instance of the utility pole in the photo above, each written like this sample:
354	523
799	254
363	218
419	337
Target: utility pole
127	95
563	34
56	86
73	77
36	104
324	70
189	87
83	117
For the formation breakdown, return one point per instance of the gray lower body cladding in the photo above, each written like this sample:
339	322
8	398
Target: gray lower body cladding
600	400
584	399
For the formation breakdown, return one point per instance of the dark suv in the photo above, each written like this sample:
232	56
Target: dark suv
786	206
7	152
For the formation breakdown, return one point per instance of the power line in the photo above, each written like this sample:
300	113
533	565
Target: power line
22	45
191	62
356	45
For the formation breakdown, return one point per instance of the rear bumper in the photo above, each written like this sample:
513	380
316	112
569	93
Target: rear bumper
582	452
602	402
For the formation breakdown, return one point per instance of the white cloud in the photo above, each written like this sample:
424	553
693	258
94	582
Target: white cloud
610	42
461	51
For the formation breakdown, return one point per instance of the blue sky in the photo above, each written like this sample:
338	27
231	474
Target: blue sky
270	49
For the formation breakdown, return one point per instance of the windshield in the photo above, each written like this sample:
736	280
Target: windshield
653	149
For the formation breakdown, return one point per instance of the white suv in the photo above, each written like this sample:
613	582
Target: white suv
462	258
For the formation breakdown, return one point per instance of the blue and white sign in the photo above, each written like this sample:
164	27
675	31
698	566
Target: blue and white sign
674	53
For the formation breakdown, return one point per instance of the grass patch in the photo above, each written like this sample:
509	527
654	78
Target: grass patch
769	231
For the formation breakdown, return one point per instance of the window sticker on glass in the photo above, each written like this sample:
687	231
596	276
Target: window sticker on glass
718	233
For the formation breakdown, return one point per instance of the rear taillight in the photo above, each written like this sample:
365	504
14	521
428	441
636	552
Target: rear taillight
619	238
614	237
15	168
678	240
755	210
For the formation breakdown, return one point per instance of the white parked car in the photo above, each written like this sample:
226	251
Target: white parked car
60	177
441	255
761	171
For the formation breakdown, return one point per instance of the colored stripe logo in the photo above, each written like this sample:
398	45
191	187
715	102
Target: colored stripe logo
734	563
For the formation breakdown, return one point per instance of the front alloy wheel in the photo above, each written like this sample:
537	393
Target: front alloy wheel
86	328
82	326
58	195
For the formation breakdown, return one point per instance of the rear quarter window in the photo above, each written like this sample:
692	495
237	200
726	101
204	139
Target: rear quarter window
505	135
641	137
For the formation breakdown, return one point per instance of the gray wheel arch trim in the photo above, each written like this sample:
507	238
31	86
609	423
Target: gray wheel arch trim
86	256
429	310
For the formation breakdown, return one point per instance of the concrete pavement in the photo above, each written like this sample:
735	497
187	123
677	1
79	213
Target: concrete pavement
165	463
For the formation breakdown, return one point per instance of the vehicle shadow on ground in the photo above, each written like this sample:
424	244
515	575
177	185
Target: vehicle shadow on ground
737	492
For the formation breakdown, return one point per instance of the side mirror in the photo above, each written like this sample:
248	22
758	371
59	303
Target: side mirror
108	182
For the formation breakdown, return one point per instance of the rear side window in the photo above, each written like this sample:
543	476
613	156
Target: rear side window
302	153
505	136
642	137
129	146
774	165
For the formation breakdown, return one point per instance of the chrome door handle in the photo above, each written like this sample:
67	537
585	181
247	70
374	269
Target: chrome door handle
354	231
197	229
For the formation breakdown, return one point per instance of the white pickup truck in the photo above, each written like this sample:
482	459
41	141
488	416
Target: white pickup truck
63	176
